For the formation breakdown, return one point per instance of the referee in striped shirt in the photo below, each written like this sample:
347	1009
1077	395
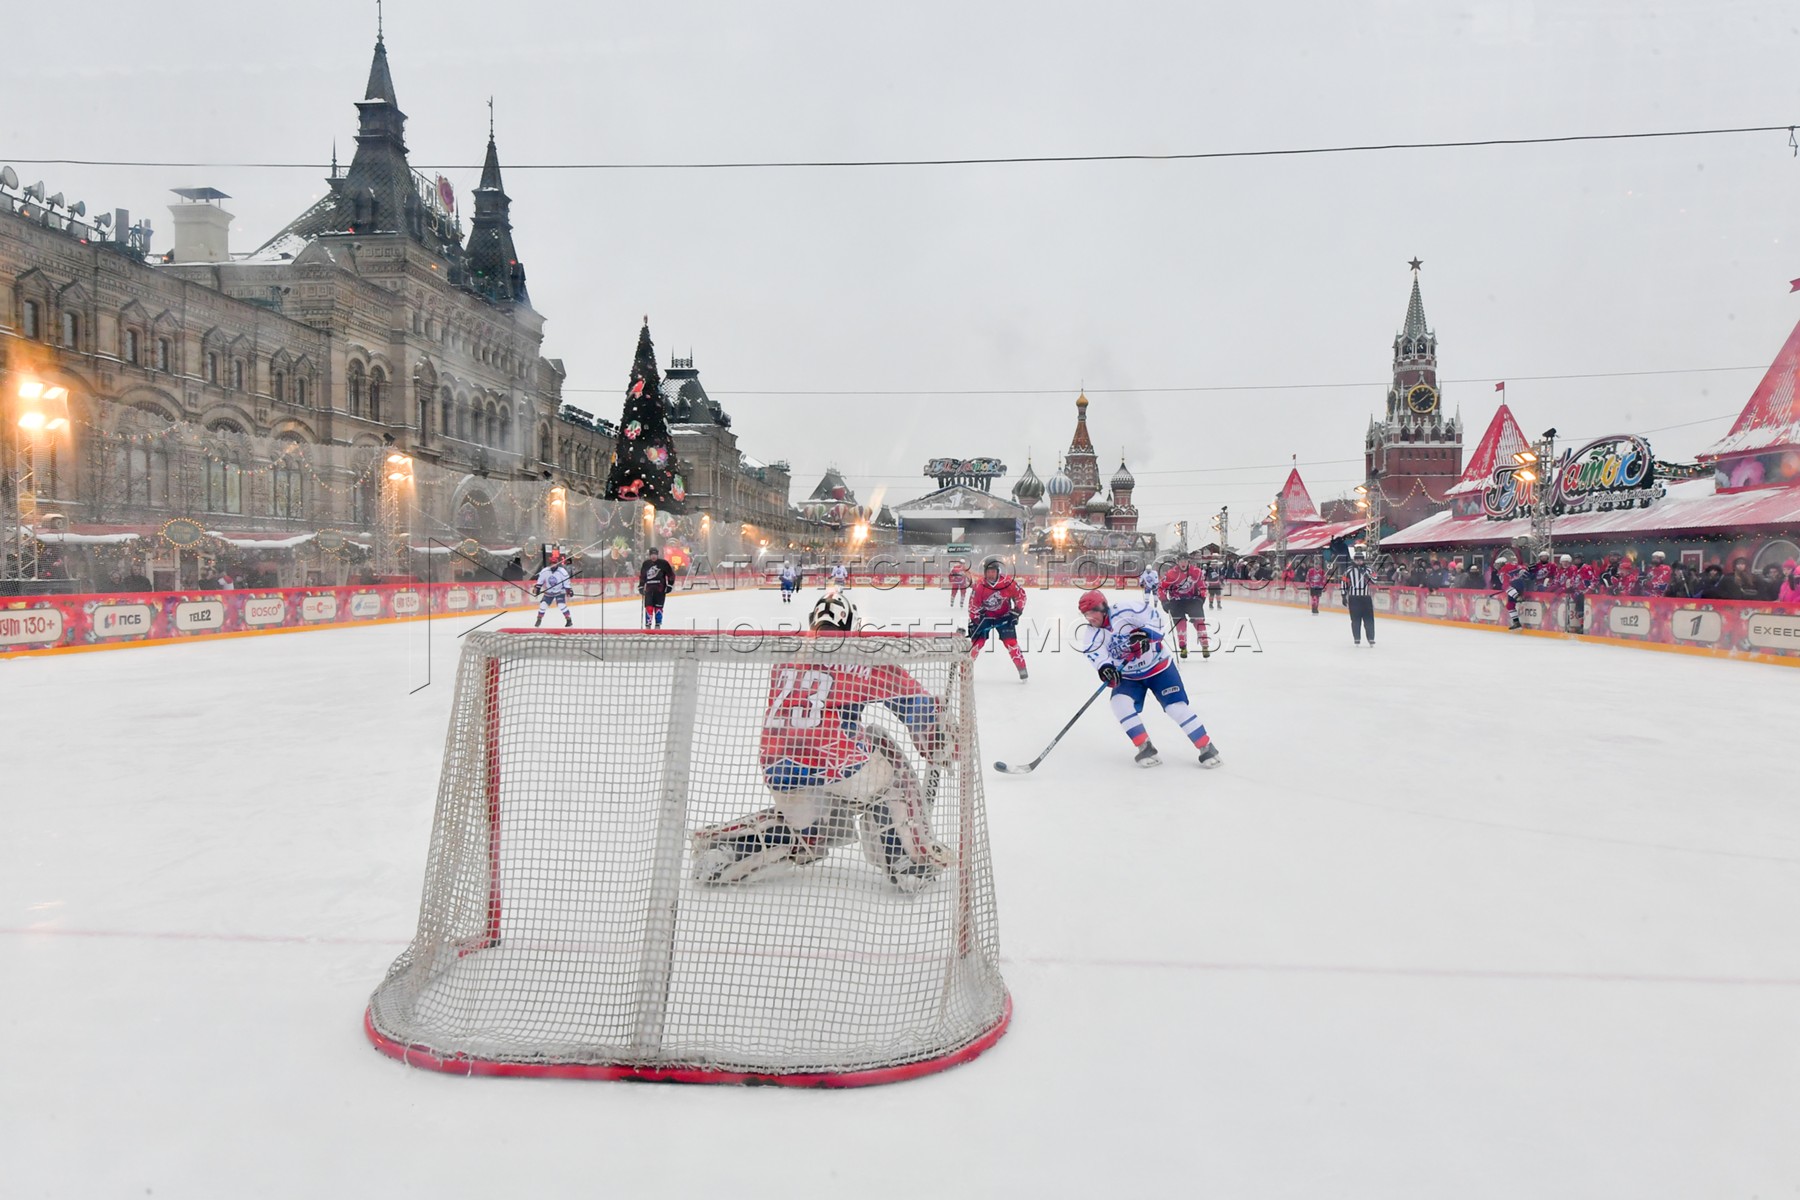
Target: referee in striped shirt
1355	585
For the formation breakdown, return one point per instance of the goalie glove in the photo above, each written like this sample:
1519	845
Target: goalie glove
1109	675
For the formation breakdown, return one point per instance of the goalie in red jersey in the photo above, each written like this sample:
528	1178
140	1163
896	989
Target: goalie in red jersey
849	752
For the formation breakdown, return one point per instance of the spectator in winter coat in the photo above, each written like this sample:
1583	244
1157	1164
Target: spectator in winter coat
1772	578
1469	578
1790	584
1437	577
1742	585
1684	584
1712	579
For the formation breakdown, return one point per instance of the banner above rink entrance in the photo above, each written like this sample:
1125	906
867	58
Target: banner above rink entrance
1618	471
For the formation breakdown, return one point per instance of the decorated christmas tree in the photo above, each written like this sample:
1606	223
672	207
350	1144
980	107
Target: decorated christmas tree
644	466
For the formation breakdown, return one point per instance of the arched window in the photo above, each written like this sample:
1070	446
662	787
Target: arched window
278	384
162	354
359	383
224	485
377	391
447	411
493	426
237	374
287	495
505	442
300	391
212	366
462	421
131	346
30	320
71	330
543	444
424	403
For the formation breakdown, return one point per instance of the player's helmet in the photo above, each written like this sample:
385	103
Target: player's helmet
1658	556
833	612
1543	556
1093	601
992	566
555	557
1565	560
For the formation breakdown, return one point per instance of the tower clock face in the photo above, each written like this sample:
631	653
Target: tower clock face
1422	399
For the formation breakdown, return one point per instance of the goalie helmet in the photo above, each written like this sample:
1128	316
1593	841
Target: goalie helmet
1094	601
832	612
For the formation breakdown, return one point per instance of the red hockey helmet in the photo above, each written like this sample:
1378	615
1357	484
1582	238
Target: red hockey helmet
1094	601
555	557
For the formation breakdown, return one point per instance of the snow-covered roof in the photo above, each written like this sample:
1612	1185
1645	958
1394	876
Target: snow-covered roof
958	500
53	538
262	541
1307	537
1771	418
1691	506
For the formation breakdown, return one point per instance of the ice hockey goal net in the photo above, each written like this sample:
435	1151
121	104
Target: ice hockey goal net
563	929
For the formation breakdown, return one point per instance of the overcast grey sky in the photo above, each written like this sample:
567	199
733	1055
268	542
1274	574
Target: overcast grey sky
1559	260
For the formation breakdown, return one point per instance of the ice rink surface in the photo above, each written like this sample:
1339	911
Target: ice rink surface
1466	915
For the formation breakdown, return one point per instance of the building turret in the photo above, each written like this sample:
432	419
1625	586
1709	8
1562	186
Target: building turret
494	270
1029	487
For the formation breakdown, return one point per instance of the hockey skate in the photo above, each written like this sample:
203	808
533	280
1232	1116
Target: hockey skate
1147	756
568	620
539	621
1181	650
1512	621
1024	674
1209	757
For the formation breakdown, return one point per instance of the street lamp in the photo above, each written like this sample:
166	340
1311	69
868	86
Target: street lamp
393	514
40	413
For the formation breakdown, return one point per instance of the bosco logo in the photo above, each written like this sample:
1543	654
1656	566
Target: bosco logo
266	610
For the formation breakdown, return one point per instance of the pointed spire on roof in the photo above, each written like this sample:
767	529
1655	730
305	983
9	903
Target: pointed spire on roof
490	169
381	83
495	272
1298	504
1415	313
1502	440
1771	417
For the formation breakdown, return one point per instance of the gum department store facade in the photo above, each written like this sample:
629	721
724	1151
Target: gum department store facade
262	395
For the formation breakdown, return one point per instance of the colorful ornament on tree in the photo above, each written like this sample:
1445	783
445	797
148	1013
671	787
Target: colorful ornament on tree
678	489
658	456
633	429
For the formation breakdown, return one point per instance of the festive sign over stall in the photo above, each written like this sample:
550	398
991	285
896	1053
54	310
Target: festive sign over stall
1609	472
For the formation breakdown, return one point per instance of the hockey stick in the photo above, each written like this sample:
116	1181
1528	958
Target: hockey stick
1031	766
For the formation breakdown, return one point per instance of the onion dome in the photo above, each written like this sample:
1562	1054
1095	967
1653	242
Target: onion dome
1059	485
1122	478
1029	487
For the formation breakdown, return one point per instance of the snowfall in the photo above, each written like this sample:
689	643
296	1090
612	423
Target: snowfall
1465	915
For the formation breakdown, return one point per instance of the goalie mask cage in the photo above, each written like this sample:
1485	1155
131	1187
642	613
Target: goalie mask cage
562	931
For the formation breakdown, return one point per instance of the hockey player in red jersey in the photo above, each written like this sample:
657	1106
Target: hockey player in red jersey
1184	596
959	583
1513	581
995	608
838	749
1659	576
1315	584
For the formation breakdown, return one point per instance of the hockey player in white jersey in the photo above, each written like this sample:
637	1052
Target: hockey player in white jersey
840	577
1125	641
1149	580
552	587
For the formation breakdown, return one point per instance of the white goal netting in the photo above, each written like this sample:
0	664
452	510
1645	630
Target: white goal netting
708	857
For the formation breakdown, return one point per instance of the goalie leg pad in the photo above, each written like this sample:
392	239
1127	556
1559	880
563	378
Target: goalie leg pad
741	850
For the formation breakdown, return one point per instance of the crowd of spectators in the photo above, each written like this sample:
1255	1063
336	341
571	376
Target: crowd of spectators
1606	574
